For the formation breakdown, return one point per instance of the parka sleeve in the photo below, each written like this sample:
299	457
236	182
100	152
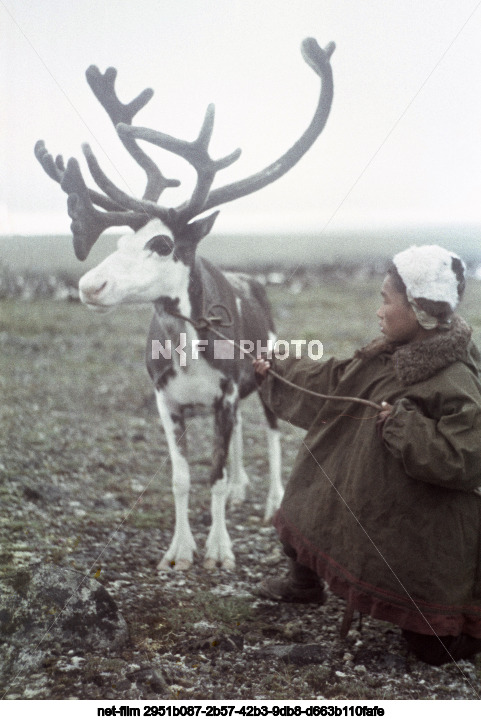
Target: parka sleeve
292	404
444	447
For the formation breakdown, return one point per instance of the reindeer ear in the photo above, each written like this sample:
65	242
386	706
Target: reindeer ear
198	229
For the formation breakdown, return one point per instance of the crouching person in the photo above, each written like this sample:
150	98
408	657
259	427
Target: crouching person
383	506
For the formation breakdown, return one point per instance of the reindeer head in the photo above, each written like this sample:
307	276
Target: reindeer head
156	259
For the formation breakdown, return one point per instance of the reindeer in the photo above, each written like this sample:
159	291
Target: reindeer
159	263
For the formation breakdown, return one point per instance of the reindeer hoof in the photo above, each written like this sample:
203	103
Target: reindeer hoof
210	564
271	507
228	564
181	565
237	491
268	516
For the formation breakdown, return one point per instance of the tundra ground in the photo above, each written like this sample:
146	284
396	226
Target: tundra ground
85	484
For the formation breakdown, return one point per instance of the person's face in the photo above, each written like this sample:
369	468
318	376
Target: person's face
396	317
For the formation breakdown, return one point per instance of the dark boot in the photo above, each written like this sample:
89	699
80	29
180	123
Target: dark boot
301	585
443	649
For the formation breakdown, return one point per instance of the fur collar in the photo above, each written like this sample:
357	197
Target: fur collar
416	362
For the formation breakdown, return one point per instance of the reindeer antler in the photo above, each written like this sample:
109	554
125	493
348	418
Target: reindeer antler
103	87
318	59
56	170
121	208
87	222
196	153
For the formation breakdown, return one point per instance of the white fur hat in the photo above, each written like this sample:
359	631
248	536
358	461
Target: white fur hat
427	272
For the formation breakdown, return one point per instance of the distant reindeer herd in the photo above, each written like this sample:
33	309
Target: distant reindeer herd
158	263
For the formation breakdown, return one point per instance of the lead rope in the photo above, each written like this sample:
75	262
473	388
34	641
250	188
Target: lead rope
207	322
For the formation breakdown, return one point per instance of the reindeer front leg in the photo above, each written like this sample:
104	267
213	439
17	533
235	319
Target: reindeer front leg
180	553
218	545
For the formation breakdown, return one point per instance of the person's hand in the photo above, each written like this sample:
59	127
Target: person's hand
261	366
382	417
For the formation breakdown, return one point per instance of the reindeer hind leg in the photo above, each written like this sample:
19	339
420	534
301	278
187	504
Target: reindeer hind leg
238	478
276	490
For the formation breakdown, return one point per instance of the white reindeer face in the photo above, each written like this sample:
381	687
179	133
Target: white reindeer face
142	269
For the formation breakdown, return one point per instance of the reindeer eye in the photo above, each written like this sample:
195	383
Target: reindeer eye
160	244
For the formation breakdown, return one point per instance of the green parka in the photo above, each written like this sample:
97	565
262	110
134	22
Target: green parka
393	524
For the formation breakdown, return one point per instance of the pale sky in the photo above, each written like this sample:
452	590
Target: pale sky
402	144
